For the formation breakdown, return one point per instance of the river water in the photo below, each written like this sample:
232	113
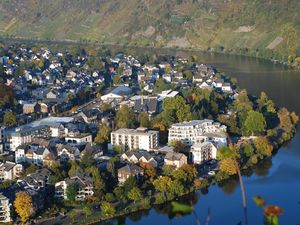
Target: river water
277	180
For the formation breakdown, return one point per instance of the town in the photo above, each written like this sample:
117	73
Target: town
107	132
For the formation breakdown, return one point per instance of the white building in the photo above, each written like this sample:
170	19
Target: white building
78	138
5	216
10	171
20	137
31	154
83	184
202	152
140	138
192	132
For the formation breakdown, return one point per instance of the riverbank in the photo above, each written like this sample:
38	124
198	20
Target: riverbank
124	47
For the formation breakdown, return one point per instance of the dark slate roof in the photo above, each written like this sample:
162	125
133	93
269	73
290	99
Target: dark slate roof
123	90
146	104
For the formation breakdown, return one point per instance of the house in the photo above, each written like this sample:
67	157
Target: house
10	171
175	159
135	157
5	215
90	116
130	170
95	150
148	104
197	78
226	87
205	85
67	152
32	153
140	138
31	108
52	94
168	94
202	152
120	93
36	181
83	184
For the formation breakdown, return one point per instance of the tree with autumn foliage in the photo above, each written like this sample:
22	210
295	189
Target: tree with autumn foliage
23	205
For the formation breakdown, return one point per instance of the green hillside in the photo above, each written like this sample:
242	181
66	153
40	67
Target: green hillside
265	28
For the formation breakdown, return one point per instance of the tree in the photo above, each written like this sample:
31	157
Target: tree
144	119
74	169
129	184
87	159
243	103
162	184
177	108
135	194
88	211
99	185
176	187
71	192
103	134
255	123
263	147
248	150
186	174
10	119
125	117
23	205
107	210
150	170
179	147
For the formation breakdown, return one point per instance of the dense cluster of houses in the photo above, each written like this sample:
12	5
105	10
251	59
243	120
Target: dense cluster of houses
60	139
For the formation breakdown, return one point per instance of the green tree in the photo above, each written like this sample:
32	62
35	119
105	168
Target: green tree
125	117
242	102
177	108
88	211
10	119
255	123
98	182
162	184
144	119
129	184
71	192
248	150
107	209
135	194
176	187
103	134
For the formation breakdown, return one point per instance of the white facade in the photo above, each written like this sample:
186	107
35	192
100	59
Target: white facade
140	138
79	139
19	138
202	152
5	216
191	132
10	171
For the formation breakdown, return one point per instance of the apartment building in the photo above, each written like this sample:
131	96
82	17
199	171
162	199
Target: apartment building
26	135
140	138
202	152
5	216
191	132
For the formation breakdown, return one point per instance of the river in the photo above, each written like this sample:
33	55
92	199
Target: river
277	180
